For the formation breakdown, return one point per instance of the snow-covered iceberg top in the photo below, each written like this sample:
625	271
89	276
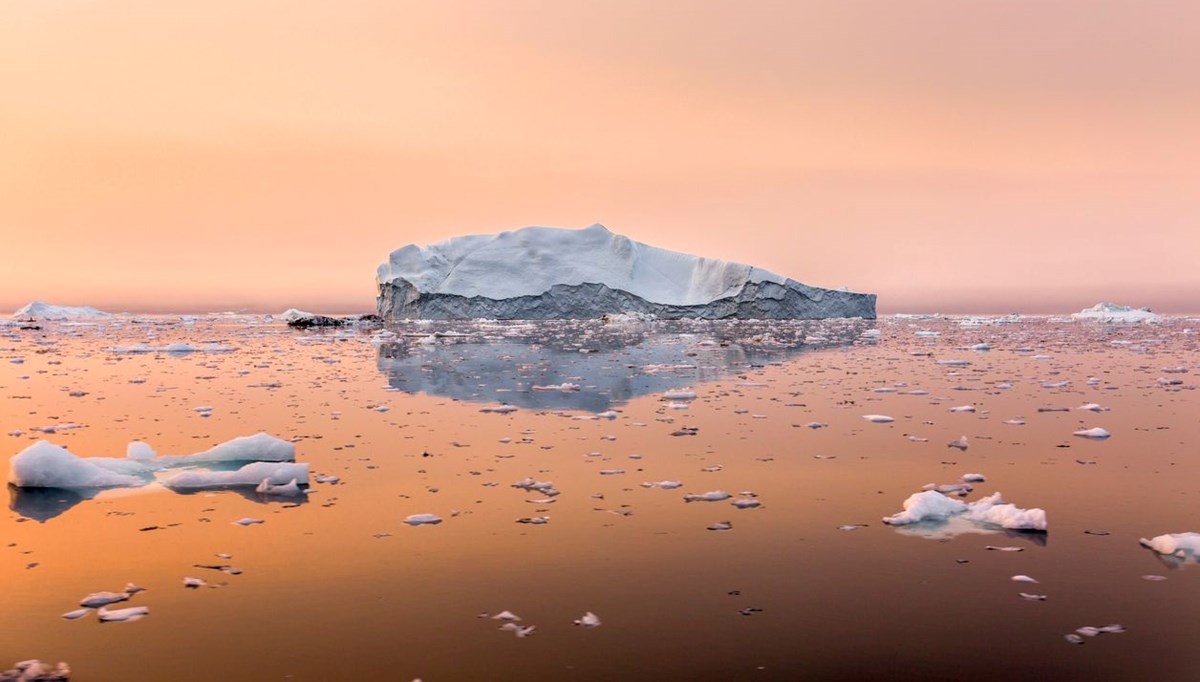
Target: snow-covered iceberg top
1111	312
38	310
530	261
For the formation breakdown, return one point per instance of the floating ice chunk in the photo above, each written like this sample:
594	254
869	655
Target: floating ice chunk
878	418
1009	548
1096	433
261	447
1113	313
961	443
960	489
519	630
1154	578
607	414
933	506
1022	579
39	310
816	425
746	503
665	485
528	483
563	387
255	474
721	525
1073	638
193	583
611	472
1180	545
139	451
954	363
46	465
76	614
97	599
589	620
506	615
963	408
1015	422
926	506
535	520
852	526
35	670
973	478
290	489
248	521
122	615
1091	407
711	496
328	479
679	394
423	519
1032	597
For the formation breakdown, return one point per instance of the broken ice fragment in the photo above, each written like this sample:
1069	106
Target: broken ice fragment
878	418
247	521
122	615
1023	579
589	620
711	496
422	519
96	599
506	615
519	630
76	614
961	444
1096	433
1032	597
721	525
193	583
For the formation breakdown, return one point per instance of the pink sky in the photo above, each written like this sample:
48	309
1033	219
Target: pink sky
948	155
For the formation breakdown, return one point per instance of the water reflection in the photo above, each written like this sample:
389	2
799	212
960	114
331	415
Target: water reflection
595	365
43	504
956	526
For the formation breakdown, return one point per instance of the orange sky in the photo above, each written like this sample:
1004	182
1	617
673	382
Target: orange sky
948	155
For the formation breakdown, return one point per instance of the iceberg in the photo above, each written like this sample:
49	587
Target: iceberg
933	507
543	273
261	447
1184	546
1111	312
253	474
38	310
46	465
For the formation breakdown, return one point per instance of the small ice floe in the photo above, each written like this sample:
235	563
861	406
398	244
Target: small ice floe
563	387
932	506
973	478
665	485
423	519
679	394
1091	407
1015	422
35	670
1022	579
122	615
963	408
535	520
607	414
193	583
290	489
588	620
852	526
529	484
1154	578
960	489
382	408
506	616
1006	548
76	614
259	474
499	409
1055	384
1073	638
710	496
1096	433
327	479
1091	631
953	363
1184	546
247	521
816	425
97	599
1032	597
744	503
712	469
878	418
961	443
519	630
721	525
611	472
46	465
917	439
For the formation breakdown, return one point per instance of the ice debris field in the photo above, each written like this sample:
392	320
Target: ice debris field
627	498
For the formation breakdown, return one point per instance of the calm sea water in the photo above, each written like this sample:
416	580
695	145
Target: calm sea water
334	586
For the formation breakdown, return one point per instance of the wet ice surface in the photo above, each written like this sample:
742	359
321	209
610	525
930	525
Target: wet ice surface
337	575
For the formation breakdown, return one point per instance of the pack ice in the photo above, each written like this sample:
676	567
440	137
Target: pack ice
542	273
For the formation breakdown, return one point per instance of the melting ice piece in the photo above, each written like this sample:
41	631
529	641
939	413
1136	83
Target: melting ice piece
253	474
665	485
611	472
589	620
290	489
1007	548
519	630
744	503
193	583
961	444
122	615
679	394
1180	545
721	525
932	506
500	409
1032	597
97	599
506	615
423	519
710	496
878	418
1023	579
816	425
1096	433
1091	407
76	614
35	670
535	520
973	478
247	521
1073	638
963	408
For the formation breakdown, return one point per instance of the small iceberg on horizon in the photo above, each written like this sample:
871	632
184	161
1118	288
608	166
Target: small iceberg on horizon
1113	313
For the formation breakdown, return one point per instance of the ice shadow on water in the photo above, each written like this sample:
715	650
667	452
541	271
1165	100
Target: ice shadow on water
612	363
43	504
956	526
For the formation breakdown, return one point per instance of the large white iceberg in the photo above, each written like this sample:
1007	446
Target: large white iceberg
932	506
46	465
38	310
253	474
556	273
261	447
1111	312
